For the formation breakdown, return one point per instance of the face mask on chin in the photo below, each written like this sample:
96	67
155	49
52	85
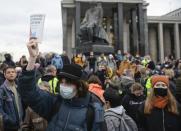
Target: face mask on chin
67	91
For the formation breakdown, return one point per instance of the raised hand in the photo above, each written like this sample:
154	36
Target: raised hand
33	48
33	52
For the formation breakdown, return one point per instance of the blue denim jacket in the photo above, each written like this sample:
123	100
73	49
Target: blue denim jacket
8	108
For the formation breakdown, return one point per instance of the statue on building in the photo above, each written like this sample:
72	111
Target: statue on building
91	29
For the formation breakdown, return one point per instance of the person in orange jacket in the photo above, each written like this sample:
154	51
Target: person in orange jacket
95	87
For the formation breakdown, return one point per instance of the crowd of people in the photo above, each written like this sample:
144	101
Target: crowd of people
114	92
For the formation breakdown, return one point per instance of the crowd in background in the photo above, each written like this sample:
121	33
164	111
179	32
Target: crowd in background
123	84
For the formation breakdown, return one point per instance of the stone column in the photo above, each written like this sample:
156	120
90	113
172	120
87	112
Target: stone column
167	41
126	36
77	22
147	51
160	39
116	31
69	40
153	42
73	34
141	30
120	26
64	26
135	48
177	40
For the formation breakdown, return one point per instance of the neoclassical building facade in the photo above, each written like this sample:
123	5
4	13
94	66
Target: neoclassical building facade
128	27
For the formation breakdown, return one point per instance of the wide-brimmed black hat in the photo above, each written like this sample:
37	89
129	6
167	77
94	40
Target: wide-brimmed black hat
71	71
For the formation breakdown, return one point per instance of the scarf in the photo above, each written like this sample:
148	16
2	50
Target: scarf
160	102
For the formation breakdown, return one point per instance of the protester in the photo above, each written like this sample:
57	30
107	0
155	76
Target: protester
125	64
115	115
131	102
101	73
92	62
76	91
95	87
111	63
79	59
32	121
127	79
41	60
160	111
57	62
63	110
65	58
2	78
8	60
102	61
119	57
178	85
144	76
11	106
50	77
146	60
114	82
23	61
171	75
48	58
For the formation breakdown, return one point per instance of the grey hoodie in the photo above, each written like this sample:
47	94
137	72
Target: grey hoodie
117	120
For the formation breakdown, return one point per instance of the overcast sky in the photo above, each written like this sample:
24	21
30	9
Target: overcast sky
14	22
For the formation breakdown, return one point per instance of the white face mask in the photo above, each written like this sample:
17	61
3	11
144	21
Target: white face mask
67	91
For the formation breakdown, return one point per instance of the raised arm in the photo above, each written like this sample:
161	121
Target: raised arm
41	102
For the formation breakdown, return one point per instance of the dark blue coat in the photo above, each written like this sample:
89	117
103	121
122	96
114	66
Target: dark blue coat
68	116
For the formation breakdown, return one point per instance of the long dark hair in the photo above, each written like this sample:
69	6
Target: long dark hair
94	79
82	88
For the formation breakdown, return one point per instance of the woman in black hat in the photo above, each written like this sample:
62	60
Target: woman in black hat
73	109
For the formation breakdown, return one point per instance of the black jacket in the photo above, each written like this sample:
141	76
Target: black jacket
9	63
92	60
65	60
131	104
159	120
2	78
178	89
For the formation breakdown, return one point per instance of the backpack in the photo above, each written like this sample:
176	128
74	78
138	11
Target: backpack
94	115
57	62
125	122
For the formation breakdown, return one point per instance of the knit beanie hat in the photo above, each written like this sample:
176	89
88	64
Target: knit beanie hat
159	78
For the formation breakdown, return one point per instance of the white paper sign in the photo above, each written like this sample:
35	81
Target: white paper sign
37	26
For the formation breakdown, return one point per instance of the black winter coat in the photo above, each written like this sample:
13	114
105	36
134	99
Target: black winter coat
131	104
159	120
